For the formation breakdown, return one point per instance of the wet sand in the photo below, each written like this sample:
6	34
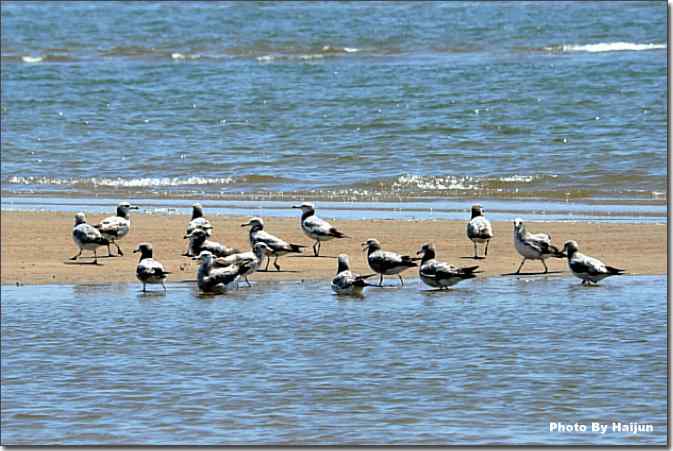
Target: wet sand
36	247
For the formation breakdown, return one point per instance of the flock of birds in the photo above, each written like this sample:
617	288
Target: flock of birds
222	267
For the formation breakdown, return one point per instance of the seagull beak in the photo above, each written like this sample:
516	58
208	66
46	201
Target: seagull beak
134	207
296	206
136	250
419	252
187	236
245	225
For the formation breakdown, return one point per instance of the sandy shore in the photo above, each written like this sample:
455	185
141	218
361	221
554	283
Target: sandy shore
36	246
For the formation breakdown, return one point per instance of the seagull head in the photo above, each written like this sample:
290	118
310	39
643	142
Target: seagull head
205	257
518	224
477	211
371	244
197	210
342	263
305	207
145	250
80	218
254	222
260	249
570	247
197	234
123	209
427	249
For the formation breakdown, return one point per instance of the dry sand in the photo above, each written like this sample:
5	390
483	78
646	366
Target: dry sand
36	247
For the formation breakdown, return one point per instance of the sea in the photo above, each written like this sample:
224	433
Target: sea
548	111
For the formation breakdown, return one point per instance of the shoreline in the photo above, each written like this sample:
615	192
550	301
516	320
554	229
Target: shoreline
640	248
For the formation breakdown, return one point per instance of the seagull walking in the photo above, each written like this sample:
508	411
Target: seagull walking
114	228
214	280
87	237
347	282
479	230
198	221
198	241
439	274
315	228
149	270
533	246
278	247
386	263
589	269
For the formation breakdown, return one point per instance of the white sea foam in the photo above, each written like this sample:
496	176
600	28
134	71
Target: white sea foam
32	59
606	47
123	183
182	56
434	183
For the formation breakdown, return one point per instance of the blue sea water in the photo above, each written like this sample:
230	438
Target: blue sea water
358	101
493	361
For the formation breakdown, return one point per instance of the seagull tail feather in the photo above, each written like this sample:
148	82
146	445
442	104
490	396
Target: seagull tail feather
615	271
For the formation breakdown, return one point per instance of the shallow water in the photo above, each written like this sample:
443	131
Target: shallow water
492	362
350	100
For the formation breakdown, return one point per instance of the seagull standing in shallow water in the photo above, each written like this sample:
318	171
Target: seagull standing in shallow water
386	263
439	274
278	247
315	228
347	282
251	260
149	270
589	269
479	229
533	246
114	228
87	237
213	280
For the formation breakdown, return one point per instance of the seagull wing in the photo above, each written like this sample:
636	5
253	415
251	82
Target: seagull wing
199	223
86	233
114	226
275	243
479	227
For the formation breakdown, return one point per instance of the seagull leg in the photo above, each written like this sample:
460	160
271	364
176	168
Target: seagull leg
476	253
275	263
268	260
247	281
520	266
486	251
77	256
163	285
316	252
546	270
401	279
119	250
109	252
144	287
381	280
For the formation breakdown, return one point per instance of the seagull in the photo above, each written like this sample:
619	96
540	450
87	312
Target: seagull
252	259
87	237
114	228
278	247
315	228
386	263
347	282
439	274
589	269
198	222
212	279
533	246
479	229
198	242
149	270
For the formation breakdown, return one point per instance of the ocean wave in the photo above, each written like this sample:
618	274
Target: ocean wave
605	47
184	56
122	183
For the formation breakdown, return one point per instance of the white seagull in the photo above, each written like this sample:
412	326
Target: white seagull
87	237
198	222
213	280
347	282
149	270
439	274
589	269
386	263
114	228
315	228
479	229
533	246
198	242
278	247
251	259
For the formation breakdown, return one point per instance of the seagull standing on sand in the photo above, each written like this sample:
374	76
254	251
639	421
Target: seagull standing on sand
589	269
533	246
149	270
198	222
347	282
278	247
479	229
114	228
386	263
315	228
212	280
251	260
87	237
198	242
439	274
